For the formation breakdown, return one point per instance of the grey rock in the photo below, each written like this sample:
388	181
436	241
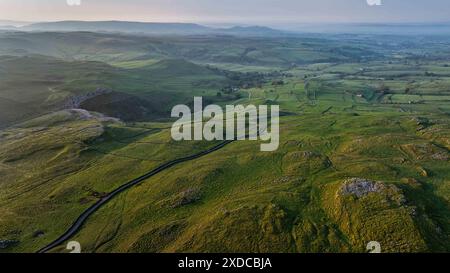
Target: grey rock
361	187
440	156
74	102
186	197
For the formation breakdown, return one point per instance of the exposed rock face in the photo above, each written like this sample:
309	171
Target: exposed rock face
76	101
361	187
440	156
86	115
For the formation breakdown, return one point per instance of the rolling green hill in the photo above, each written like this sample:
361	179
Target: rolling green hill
218	49
364	150
34	85
309	196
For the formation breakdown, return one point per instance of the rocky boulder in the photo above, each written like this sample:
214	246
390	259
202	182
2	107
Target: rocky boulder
361	187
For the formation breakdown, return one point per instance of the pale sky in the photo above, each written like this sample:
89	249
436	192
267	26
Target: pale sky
232	11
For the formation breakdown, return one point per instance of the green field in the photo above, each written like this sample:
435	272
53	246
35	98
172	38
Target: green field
364	151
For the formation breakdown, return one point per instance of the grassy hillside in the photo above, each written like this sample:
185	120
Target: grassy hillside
364	151
44	160
222	49
34	85
242	200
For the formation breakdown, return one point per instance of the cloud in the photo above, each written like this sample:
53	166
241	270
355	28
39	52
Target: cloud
374	2
74	2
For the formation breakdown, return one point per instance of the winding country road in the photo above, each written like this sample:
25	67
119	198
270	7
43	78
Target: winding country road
76	226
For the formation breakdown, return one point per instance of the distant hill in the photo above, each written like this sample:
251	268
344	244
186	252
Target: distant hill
13	23
8	28
119	26
252	30
132	51
147	28
374	28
